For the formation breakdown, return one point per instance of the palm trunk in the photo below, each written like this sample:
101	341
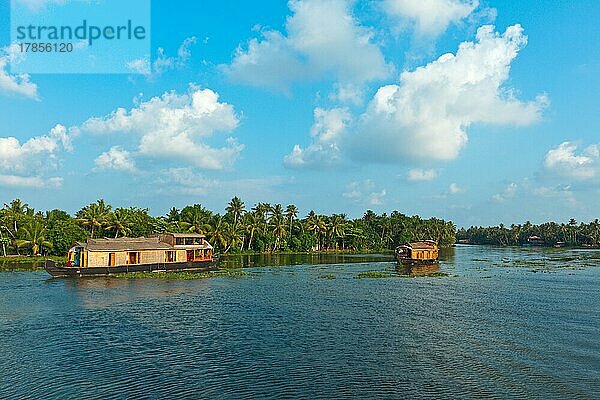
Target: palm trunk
250	241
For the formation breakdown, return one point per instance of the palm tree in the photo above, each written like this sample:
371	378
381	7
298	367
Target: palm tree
173	215
218	234
120	221
236	208
34	237
234	235
337	228
252	223
15	211
316	224
4	241
262	211
278	224
94	215
291	213
196	219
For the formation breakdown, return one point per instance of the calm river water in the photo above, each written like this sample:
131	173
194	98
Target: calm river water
505	323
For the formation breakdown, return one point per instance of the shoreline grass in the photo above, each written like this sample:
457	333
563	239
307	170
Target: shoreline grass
187	276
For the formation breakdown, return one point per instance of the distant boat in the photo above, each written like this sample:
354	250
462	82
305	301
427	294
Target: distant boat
425	252
172	252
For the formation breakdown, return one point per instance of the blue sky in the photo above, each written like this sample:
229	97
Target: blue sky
477	111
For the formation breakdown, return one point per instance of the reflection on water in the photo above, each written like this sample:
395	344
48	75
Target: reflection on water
418	270
447	254
89	292
509	323
274	260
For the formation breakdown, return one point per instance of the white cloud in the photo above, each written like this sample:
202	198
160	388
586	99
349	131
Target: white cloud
36	182
427	115
163	63
416	175
563	161
16	84
115	159
564	194
365	192
455	189
431	17
328	127
323	38
174	126
36	151
508	193
23	165
185	181
348	94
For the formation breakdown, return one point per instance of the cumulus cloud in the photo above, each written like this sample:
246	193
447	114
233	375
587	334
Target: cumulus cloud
508	193
347	93
328	127
427	115
365	192
18	157
18	84
176	126
417	175
21	164
455	189
35	182
115	159
564	162
430	17
185	181
163	63
322	38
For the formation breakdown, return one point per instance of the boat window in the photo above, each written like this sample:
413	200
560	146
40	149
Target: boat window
171	256
179	241
133	257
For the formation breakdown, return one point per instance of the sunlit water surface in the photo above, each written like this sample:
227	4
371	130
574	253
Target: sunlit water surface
505	323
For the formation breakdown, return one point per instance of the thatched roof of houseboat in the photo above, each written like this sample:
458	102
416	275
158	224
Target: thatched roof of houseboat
424	245
126	244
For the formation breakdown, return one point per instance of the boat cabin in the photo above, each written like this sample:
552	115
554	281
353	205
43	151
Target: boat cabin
426	250
166	248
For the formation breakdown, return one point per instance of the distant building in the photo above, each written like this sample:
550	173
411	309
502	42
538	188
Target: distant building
535	241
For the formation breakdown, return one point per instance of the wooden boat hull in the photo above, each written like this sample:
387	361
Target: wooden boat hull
410	262
61	271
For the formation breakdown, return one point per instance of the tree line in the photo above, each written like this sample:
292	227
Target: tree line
261	228
571	234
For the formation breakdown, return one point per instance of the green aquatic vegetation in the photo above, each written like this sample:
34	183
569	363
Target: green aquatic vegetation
383	274
225	273
438	275
327	276
375	275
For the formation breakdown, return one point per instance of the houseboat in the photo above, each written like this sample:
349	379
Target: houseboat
172	252
425	252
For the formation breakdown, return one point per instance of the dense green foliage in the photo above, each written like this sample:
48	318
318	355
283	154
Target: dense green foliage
550	234
264	228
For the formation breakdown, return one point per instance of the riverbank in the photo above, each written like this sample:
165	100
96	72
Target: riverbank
25	263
